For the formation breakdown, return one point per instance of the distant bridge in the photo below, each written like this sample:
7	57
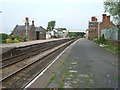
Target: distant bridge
77	31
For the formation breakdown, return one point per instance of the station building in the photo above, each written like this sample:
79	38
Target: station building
105	24
30	32
95	27
92	28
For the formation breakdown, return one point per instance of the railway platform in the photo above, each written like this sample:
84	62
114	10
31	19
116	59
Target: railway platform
7	47
65	63
82	65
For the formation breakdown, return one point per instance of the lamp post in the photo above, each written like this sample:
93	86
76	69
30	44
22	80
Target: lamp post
26	27
26	34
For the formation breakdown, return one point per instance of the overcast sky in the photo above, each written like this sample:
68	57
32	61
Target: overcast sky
70	14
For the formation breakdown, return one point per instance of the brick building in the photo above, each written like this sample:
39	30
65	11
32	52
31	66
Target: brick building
106	23
92	28
30	32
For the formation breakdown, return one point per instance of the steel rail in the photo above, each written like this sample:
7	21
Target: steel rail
29	54
11	75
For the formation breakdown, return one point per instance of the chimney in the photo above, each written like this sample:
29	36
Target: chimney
96	19
108	17
104	16
26	21
32	23
93	19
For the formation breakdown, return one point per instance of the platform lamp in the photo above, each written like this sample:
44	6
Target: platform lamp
26	26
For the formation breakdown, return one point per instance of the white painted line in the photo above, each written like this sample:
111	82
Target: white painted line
48	66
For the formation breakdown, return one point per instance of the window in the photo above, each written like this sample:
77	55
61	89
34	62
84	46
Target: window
17	33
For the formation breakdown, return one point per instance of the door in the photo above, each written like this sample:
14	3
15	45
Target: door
37	35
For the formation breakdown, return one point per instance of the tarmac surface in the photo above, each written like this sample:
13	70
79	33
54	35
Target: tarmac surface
82	65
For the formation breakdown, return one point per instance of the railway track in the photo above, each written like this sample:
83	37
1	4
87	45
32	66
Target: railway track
25	74
32	52
18	51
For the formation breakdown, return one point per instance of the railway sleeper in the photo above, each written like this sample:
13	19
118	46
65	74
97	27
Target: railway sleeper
31	52
29	73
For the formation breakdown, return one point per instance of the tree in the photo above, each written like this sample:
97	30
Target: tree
3	37
119	34
61	29
114	9
74	34
51	25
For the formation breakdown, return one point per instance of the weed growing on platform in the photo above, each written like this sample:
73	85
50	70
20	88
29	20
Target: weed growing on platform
51	79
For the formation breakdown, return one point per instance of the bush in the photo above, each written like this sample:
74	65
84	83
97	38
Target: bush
25	39
21	40
18	37
95	39
3	36
102	39
8	40
3	41
16	41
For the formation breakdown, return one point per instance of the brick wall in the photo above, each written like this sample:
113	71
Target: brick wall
105	25
32	34
93	32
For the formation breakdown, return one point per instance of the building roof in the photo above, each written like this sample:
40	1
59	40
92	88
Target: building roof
22	27
93	23
40	29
